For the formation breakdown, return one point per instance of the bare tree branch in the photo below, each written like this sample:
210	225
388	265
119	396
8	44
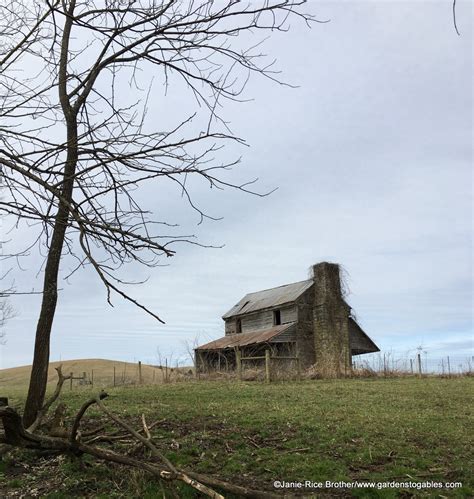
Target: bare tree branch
79	147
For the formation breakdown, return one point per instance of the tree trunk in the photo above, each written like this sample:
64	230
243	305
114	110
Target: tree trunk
39	371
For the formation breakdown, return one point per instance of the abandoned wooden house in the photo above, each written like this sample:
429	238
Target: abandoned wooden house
306	323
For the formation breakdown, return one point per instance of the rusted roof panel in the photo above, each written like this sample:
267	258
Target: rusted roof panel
269	298
244	339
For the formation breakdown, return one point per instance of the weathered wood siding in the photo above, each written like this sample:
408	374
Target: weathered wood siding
257	321
262	319
229	326
288	314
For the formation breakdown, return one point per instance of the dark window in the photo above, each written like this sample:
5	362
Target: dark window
276	318
238	326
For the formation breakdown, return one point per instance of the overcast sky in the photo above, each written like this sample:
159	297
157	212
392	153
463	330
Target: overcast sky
372	157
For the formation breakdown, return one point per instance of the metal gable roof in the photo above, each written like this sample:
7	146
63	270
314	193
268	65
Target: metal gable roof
243	339
267	298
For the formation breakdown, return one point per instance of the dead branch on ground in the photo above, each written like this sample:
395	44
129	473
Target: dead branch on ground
15	435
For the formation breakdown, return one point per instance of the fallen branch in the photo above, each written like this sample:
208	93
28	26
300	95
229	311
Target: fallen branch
232	488
137	435
17	436
145	428
116	436
172	474
93	432
107	438
80	414
44	410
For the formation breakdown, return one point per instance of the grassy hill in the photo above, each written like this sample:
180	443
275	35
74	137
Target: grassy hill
16	379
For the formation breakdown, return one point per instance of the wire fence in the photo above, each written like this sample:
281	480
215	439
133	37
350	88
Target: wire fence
416	363
125	374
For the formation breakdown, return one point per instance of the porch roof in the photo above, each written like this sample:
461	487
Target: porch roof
276	334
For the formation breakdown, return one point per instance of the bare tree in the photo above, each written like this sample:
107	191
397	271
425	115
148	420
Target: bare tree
76	143
6	313
6	310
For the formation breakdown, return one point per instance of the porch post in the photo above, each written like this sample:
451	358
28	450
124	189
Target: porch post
238	363
267	365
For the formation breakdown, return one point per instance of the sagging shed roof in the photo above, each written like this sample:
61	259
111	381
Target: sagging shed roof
267	298
359	340
276	334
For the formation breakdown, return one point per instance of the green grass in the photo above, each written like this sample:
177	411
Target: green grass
404	429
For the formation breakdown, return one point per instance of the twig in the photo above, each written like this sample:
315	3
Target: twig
454	18
119	435
252	441
91	433
302	449
145	428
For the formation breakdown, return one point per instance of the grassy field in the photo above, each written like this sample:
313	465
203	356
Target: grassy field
404	429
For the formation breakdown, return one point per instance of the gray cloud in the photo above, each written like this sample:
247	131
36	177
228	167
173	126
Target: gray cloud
372	158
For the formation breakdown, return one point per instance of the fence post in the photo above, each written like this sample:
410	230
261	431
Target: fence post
239	363
70	380
140	380
384	366
153	375
92	378
419	364
114	375
267	365
166	370
200	366
298	368
411	365
449	368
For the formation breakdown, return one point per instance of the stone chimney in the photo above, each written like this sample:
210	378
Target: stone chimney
330	322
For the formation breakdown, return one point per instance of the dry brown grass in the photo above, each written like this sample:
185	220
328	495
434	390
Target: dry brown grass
125	373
